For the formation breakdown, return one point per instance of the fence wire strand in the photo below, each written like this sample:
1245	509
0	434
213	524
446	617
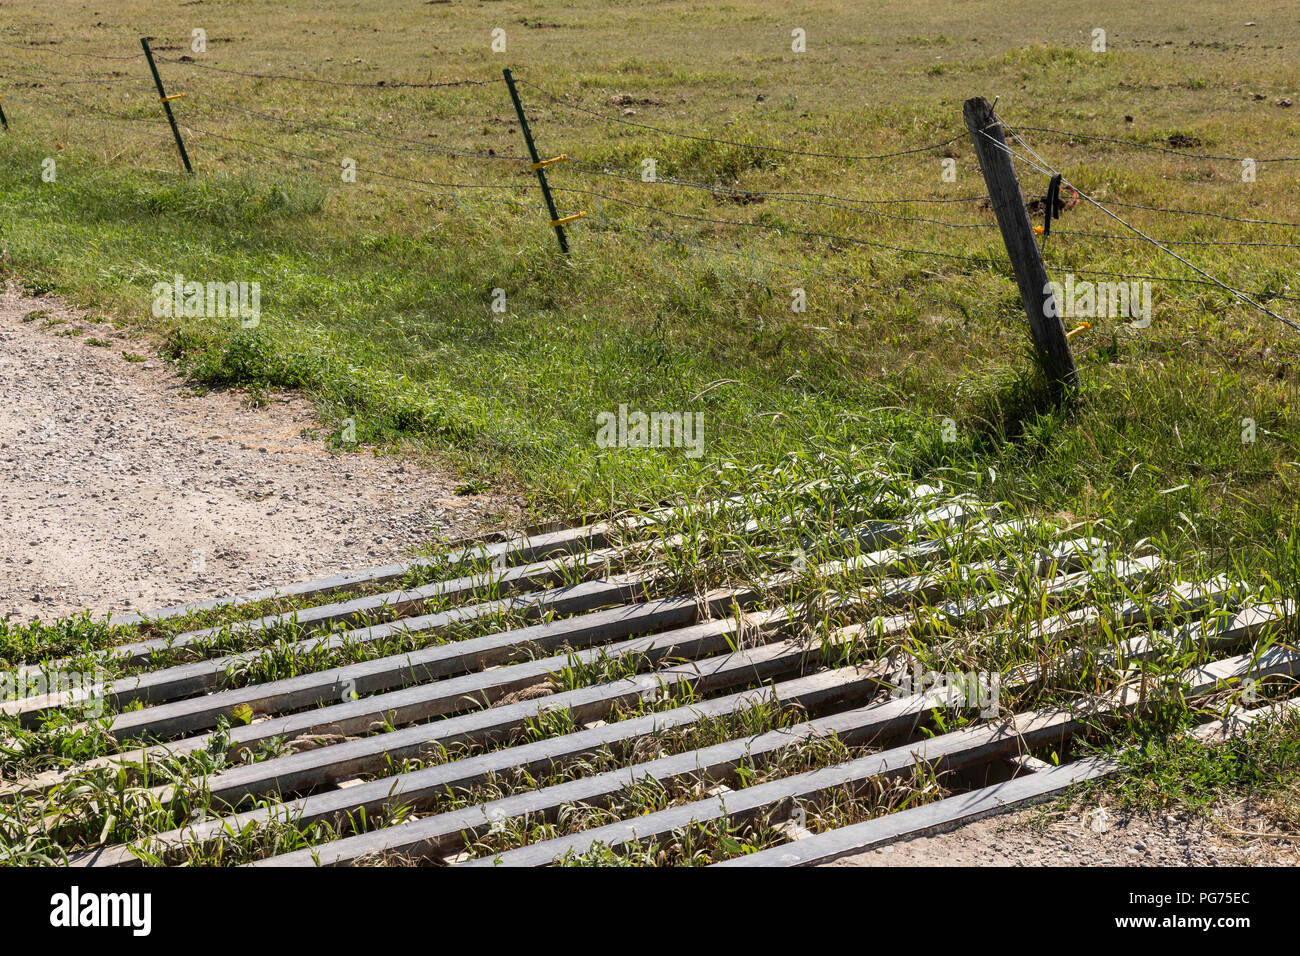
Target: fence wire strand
44	83
727	142
1043	166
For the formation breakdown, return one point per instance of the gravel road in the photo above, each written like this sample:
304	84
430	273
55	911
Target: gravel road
123	489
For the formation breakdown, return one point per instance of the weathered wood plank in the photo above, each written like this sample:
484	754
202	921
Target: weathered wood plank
415	789
187	679
526	547
435	834
961	809
950	751
195	678
522	548
816	692
1045	326
402	670
389	604
1183	599
333	719
932	818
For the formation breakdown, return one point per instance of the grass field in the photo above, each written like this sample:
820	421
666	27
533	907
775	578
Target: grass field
378	295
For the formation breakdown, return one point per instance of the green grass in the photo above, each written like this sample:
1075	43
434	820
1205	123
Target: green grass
1182	773
377	295
377	299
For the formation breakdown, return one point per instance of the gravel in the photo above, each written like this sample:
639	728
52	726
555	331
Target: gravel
123	489
1097	835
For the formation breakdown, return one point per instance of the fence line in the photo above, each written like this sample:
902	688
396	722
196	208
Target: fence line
77	79
1210	215
1134	144
1174	242
727	142
426	185
93	107
678	240
1042	166
42	82
356	136
810	199
296	78
82	53
782	229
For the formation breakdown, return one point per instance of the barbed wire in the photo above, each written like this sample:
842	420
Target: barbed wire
44	48
1210	215
298	78
870	207
1134	144
302	159
1042	166
782	264
138	126
348	134
1173	242
1176	280
90	107
424	184
782	229
727	142
51	78
811	199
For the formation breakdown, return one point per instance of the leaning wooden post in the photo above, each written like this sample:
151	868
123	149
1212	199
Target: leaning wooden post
1013	219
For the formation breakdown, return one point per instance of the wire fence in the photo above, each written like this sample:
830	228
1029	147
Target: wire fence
935	220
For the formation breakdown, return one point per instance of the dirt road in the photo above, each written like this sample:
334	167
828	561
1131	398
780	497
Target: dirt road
123	489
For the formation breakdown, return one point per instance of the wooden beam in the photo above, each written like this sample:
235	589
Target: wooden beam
202	676
187	679
964	808
435	834
529	546
387	605
330	719
402	670
360	715
815	692
182	680
928	819
417	788
955	750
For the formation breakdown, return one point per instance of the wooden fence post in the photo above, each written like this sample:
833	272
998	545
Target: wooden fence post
1045	325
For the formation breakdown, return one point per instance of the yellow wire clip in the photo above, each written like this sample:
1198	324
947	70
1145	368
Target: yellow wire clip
542	164
168	99
1081	327
568	219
